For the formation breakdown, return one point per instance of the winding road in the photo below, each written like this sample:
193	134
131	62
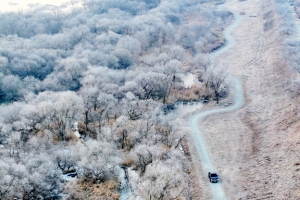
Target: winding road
207	164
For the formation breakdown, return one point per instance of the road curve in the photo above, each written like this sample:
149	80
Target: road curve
207	165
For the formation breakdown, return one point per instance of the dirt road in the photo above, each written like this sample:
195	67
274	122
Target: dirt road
256	149
207	165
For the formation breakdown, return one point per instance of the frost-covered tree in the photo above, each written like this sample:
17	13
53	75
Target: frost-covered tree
32	176
62	109
99	161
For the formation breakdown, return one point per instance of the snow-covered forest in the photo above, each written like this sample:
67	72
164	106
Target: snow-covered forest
88	92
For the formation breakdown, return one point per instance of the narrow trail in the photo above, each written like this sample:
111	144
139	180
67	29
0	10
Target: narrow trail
207	164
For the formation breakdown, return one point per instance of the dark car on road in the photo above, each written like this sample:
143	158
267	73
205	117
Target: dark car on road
213	177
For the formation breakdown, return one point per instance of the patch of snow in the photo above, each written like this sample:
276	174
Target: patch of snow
75	127
67	177
125	190
189	80
77	134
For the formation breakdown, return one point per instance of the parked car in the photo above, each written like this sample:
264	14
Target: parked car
213	177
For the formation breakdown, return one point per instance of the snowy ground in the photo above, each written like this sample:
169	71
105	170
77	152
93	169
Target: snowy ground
189	80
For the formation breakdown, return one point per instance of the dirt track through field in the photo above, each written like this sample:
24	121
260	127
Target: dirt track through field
256	148
207	165
206	161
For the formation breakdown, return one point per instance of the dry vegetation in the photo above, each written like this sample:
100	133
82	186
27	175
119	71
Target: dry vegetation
84	189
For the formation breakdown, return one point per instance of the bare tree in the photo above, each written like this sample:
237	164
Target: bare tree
142	155
217	82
